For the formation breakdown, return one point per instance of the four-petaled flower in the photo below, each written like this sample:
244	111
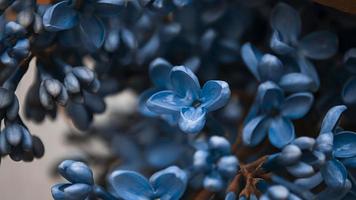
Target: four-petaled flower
272	113
187	101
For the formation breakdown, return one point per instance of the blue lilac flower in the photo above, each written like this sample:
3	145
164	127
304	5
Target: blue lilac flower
286	24
214	160
169	183
273	113
267	67
187	101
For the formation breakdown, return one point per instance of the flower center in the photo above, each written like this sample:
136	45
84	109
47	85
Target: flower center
196	103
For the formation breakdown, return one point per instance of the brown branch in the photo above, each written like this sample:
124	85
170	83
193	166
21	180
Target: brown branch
348	6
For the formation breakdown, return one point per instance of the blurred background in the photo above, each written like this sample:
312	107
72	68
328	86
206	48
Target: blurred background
33	181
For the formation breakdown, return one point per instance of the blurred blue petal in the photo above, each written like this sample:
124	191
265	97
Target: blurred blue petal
76	172
163	153
192	120
286	21
169	184
301	170
251	57
332	118
307	68
281	132
254	131
334	174
214	95
228	165
309	182
108	7
213	182
184	82
279	46
270	68
324	143
130	185
92	32
270	96
159	72
219	144
230	196
297	105
296	82
345	144
142	105
348	92
77	191
319	45
59	17
349	162
166	101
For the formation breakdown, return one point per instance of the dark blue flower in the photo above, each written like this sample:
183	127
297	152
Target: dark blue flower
169	183
273	114
286	25
187	101
267	67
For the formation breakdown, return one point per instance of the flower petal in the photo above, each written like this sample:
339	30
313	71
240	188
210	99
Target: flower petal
349	162
286	20
331	118
92	32
165	102
159	72
59	17
348	92
78	191
192	120
334	174
130	185
281	132
279	46
345	144
169	184
184	82
254	131
270	68
296	82
309	182
142	105
307	68
270	96
215	94
297	105
319	45
251	57
108	7
301	170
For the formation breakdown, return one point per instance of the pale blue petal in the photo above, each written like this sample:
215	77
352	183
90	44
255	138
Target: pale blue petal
192	120
169	184
214	95
130	185
270	96
184	82
332	118
165	102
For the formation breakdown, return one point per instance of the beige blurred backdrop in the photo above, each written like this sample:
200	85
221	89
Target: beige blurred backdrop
31	181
